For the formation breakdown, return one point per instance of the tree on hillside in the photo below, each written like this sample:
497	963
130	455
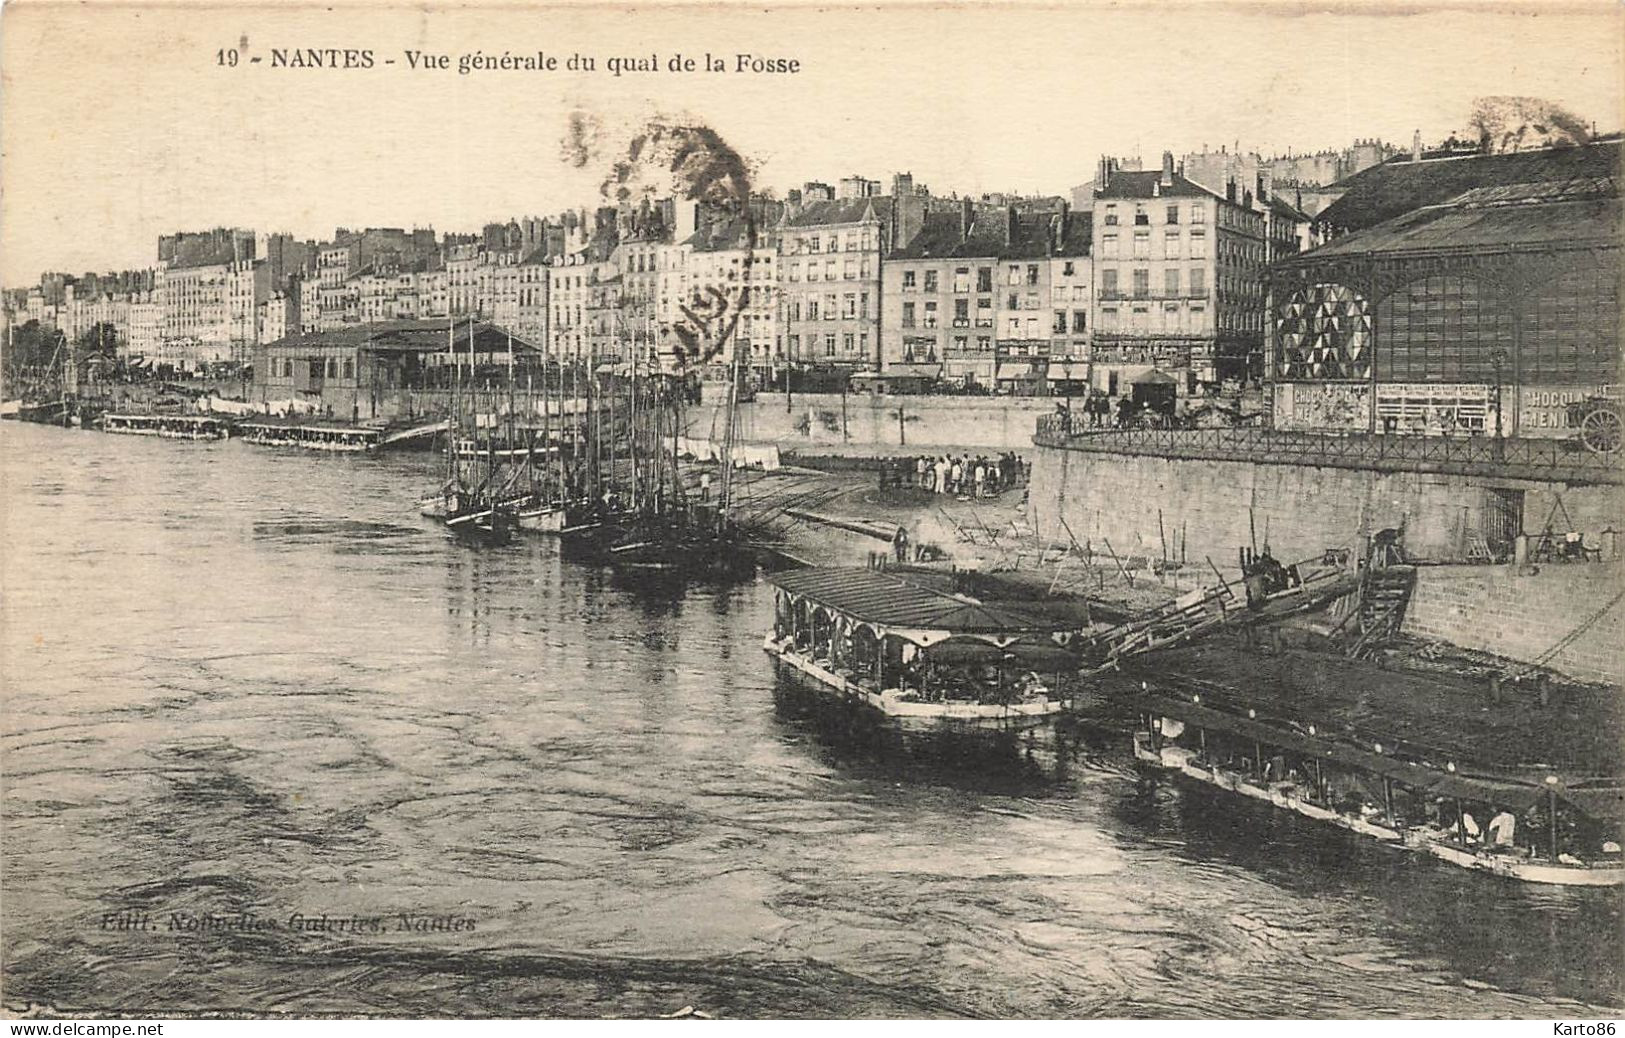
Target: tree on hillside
1506	124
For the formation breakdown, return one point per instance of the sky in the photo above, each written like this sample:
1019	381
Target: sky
118	122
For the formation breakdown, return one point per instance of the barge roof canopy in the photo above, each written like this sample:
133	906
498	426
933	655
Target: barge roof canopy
416	336
1439	717
879	597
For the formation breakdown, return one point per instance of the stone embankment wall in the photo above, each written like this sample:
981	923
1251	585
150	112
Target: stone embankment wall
859	420
1209	509
1525	613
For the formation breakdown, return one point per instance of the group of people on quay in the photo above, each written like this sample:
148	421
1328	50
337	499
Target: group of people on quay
960	475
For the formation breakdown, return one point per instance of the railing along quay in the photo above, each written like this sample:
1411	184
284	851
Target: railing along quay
1483	456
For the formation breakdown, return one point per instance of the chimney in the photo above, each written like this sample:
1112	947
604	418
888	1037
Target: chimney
967	217
1230	190
1063	225
1104	177
1264	185
1167	169
1010	225
1416	146
908	211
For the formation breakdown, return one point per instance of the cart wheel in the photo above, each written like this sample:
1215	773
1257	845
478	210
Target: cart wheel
1600	431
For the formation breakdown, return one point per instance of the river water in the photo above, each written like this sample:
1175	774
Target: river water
255	686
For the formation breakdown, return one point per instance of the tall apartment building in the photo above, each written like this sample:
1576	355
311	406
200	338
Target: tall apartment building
1178	275
727	278
986	295
829	258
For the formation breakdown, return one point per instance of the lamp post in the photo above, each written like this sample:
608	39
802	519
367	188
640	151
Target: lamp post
1498	357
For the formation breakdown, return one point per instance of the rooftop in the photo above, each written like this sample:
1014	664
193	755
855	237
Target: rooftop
879	597
840	211
1402	184
1133	183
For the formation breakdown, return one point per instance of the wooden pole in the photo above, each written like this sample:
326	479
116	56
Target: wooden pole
1388	799
1551	809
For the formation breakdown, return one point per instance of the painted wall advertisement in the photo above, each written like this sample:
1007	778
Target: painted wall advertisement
1340	406
1544	411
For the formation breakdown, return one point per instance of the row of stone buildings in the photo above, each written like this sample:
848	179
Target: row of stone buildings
1149	269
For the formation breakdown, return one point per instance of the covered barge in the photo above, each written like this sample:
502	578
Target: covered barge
1522	780
920	654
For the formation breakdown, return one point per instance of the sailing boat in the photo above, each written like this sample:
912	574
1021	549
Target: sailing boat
472	507
670	532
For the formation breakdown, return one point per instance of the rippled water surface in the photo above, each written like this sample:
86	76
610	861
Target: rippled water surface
255	685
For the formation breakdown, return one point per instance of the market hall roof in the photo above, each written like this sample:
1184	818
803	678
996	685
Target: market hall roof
1400	185
1577	214
875	596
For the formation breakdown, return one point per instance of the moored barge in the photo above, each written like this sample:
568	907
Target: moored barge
169	426
920	655
1523	784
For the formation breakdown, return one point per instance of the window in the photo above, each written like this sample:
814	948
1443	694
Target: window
848	342
1142	244
962	280
1568	330
812	272
829	270
829	344
1108	282
1142	282
961	313
984	313
1013	326
1173	214
1170	281
1108	246
984	343
1030	302
812	309
1111	215
1442	329
1079	325
1014	302
1198	281
795	310
1059	328
1068	269
1014	277
931	314
812	244
1198	244
908	315
1032	327
1198	213
863	342
1032	273
1170	243
1141	217
909	283
863	304
849	305
984	279
961	343
349	368
829	307
930	281
850	270
332	367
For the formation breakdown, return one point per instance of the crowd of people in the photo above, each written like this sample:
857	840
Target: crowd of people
961	475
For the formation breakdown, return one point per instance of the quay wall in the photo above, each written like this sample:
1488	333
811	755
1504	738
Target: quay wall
1210	509
856	421
1525	613
868	420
